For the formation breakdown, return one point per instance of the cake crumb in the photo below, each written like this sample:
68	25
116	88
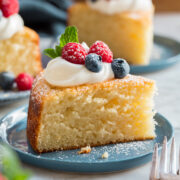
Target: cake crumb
85	150
105	155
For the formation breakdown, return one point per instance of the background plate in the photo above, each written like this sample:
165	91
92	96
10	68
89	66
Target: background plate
9	97
166	52
121	156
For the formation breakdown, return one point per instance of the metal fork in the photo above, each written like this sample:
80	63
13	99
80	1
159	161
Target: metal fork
161	171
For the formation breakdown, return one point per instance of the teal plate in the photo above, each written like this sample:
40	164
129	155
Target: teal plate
121	156
8	97
166	52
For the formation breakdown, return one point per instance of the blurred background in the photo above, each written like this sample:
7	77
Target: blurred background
48	17
164	5
167	5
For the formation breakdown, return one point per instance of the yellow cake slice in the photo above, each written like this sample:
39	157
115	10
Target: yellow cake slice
117	110
129	34
21	53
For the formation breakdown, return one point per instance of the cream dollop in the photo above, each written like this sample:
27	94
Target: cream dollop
9	26
62	73
117	6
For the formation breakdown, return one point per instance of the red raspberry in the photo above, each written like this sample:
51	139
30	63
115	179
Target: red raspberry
102	49
2	177
9	7
24	81
74	53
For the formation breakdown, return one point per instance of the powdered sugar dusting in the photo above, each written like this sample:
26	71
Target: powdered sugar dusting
116	152
41	88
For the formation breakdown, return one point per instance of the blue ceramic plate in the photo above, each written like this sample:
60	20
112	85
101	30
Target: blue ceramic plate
166	52
121	156
8	97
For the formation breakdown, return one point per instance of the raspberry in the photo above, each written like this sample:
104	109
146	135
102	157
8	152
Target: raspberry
74	53
102	49
9	7
24	81
2	177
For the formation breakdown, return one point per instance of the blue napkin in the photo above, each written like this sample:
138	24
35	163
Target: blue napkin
47	17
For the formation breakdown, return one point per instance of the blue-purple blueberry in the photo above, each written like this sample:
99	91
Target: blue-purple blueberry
120	68
6	80
93	62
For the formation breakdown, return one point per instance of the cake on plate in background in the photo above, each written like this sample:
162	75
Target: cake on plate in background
86	98
20	52
125	25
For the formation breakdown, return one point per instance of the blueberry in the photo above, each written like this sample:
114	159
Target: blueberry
93	62
120	68
6	80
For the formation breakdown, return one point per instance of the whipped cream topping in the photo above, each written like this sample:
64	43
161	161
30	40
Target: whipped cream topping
9	26
117	6
62	73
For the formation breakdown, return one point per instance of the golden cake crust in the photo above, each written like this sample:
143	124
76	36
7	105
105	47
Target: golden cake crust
21	53
41	90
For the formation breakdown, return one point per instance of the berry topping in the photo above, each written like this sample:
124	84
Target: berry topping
2	177
101	49
6	80
93	62
74	53
24	82
120	68
9	7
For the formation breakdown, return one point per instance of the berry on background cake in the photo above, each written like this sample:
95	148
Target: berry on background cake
126	26
20	52
7	80
86	98
22	82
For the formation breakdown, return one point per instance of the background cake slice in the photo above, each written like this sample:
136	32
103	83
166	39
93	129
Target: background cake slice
118	110
21	53
129	34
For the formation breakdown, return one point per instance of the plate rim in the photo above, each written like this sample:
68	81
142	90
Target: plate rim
27	157
159	65
16	95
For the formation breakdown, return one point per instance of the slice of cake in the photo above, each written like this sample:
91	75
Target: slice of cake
126	26
19	45
109	112
88	99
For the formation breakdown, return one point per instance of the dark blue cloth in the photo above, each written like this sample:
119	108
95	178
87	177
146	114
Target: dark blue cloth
47	17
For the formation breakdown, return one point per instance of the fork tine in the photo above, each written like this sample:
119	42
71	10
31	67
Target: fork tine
163	161
154	168
172	164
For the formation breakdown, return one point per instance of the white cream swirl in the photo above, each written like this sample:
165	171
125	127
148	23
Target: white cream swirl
117	6
62	73
9	26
